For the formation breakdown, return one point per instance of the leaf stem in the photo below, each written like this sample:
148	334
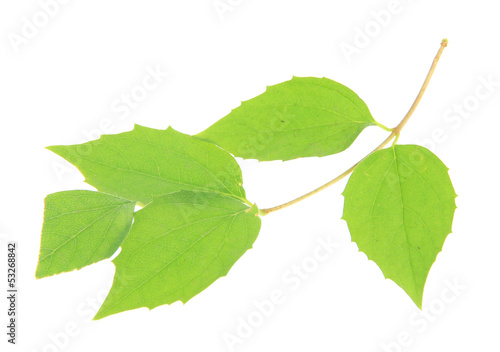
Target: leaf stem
385	128
395	141
395	132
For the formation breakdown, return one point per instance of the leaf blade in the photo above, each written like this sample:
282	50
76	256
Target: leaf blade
399	207
99	221
146	162
186	240
303	117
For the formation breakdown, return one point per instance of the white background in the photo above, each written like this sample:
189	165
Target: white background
63	83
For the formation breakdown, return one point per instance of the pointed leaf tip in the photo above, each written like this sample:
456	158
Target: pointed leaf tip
302	117
399	210
174	230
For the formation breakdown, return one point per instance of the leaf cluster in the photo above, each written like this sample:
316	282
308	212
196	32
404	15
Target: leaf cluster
195	221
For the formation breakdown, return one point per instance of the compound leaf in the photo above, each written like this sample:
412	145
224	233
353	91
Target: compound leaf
399	206
179	245
303	117
146	162
81	228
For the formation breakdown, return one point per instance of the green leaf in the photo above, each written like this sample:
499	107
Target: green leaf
303	117
146	162
81	228
178	246
399	206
